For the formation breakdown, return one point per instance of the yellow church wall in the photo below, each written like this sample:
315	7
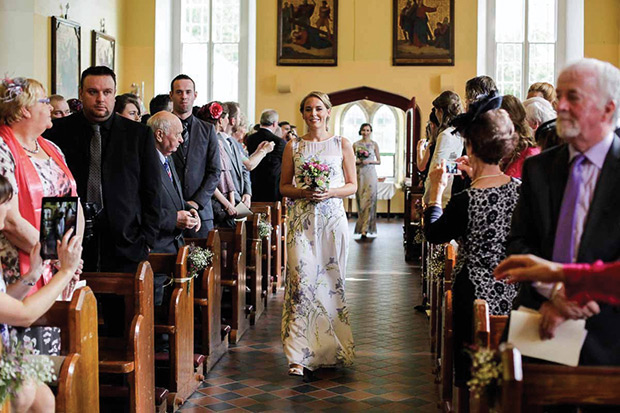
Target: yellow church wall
364	59
602	30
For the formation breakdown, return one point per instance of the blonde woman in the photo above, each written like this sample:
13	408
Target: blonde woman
367	154
316	331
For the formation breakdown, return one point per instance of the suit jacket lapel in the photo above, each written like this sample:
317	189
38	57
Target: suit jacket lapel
177	181
604	201
172	192
557	183
233	157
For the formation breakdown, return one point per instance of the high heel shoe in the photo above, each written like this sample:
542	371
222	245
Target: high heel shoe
296	370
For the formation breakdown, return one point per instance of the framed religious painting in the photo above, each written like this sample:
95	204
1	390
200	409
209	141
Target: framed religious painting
423	32
103	49
66	55
307	33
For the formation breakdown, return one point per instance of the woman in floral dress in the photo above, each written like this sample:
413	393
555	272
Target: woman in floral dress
366	195
316	331
36	168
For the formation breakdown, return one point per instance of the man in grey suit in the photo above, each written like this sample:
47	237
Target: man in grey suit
197	160
241	175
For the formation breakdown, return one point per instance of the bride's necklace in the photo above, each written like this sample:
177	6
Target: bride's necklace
485	176
33	151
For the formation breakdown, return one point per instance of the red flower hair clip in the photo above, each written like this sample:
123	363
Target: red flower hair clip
216	110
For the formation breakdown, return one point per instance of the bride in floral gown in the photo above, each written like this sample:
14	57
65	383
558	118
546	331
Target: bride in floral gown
316	331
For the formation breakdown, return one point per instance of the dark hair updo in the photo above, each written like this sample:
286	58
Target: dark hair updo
362	127
488	129
6	190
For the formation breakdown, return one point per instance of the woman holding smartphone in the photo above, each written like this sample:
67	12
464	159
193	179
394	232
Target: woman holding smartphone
477	218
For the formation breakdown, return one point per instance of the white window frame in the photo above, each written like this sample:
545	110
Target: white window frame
569	44
169	51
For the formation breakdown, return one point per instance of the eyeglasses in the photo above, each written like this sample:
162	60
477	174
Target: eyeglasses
44	100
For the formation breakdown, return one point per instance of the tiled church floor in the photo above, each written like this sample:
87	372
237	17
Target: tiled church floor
392	370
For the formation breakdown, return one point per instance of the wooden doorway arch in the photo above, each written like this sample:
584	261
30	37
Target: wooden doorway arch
412	113
407	105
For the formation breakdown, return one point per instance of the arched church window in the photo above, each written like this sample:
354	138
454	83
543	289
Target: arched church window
385	133
352	119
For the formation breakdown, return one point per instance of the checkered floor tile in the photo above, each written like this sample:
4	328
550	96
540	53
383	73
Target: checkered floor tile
392	371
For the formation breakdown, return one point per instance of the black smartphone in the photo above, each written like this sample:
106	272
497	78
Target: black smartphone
58	215
452	168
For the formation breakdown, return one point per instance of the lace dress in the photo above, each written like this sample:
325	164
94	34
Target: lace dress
479	220
366	195
46	340
316	331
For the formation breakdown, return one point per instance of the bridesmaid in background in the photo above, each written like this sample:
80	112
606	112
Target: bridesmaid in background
366	195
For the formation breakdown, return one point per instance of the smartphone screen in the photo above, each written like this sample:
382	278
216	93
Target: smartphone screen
452	168
58	214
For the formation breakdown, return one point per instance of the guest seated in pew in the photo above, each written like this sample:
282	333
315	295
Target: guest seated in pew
477	218
225	196
35	168
33	396
176	214
565	211
582	282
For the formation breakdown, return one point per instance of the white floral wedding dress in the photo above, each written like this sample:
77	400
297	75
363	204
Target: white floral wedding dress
316	331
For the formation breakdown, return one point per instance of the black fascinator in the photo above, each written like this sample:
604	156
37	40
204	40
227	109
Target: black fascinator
489	102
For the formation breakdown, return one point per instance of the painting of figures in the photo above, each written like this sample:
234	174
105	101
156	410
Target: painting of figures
66	40
307	32
423	32
103	48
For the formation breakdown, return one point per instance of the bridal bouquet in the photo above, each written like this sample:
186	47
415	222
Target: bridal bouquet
362	153
314	175
198	259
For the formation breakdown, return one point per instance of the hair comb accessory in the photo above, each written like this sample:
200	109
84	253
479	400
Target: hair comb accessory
489	102
14	88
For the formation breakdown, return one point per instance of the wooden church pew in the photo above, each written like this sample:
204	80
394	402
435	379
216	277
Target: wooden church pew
447	340
278	256
254	268
183	368
527	387
132	355
234	307
78	381
267	252
212	336
487	333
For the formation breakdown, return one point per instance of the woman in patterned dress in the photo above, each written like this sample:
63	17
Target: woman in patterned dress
316	331
478	219
36	168
366	195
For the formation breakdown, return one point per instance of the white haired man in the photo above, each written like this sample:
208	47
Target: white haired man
566	210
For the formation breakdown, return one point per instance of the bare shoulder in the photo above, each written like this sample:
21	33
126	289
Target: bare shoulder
346	143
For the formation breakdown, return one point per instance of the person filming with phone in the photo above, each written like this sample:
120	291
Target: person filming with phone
449	145
478	218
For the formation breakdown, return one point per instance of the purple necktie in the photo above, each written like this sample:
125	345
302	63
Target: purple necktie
564	245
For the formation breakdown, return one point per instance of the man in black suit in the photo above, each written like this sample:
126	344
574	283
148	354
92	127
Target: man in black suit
567	208
116	169
176	214
197	161
266	176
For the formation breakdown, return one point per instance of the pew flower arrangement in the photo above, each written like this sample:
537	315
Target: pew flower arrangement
486	372
264	227
198	259
19	364
314	175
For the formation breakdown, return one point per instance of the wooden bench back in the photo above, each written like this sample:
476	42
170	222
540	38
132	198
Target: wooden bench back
488	329
78	381
526	387
278	257
447	344
180	325
138	342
